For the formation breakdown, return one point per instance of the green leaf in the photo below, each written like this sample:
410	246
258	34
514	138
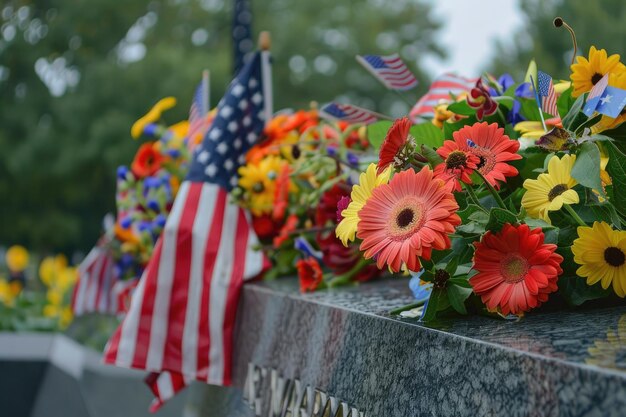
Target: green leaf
450	128
427	134
457	296
529	109
576	291
572	116
438	301
462	108
468	211
617	169
498	217
451	266
429	153
586	169
376	132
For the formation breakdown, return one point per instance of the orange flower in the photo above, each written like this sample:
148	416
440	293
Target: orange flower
407	218
516	270
281	195
147	160
286	230
125	235
310	274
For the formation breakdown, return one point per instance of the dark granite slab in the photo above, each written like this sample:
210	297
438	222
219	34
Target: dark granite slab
343	342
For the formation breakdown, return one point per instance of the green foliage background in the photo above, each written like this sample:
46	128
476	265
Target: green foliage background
71	84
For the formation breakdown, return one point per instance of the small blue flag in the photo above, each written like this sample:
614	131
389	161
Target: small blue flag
593	99
612	101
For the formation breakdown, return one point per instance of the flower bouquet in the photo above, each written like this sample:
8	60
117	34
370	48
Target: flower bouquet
506	196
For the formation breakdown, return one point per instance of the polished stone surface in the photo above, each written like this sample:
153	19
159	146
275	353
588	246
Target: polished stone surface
344	342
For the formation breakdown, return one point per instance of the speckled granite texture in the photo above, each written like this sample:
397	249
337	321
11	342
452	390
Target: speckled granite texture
344	342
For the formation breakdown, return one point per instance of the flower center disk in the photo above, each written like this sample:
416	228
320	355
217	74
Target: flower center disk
406	219
557	191
514	268
595	78
456	160
614	256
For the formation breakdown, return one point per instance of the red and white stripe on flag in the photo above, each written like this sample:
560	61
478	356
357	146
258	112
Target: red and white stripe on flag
549	102
94	290
182	314
441	90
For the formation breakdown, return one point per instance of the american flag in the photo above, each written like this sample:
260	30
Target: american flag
389	70
593	99
439	90
242	33
547	93
198	122
347	113
97	280
182	314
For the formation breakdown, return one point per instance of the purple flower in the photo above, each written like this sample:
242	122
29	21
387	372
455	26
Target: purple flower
332	151
352	159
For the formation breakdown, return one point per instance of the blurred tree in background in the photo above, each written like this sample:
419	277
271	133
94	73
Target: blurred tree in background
75	74
599	23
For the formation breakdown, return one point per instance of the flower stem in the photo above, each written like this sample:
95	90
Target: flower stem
405	308
472	195
347	277
493	191
575	215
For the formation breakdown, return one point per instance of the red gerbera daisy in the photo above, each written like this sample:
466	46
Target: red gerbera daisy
397	146
147	160
457	165
310	274
516	270
490	145
407	218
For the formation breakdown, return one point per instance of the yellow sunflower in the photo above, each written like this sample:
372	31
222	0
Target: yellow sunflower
17	258
9	291
368	180
259	182
552	189
601	253
586	73
606	123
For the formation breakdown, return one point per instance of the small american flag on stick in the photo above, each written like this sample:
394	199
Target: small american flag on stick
389	70
348	113
547	93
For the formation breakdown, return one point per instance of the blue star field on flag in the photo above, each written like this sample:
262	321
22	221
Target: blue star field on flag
236	128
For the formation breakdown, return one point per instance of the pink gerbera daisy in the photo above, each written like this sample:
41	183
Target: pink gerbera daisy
407	218
516	270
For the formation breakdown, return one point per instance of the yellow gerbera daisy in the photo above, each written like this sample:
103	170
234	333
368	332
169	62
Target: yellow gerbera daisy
601	253
586	73
259	181
552	189
17	258
606	123
152	116
368	180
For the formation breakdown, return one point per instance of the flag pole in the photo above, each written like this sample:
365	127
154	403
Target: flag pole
266	72
543	122
206	94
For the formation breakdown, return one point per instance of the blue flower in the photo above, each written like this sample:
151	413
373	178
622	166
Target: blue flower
151	182
122	171
421	291
505	81
160	220
154	205
352	159
126	222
